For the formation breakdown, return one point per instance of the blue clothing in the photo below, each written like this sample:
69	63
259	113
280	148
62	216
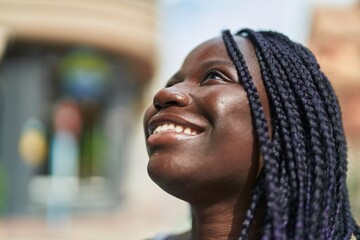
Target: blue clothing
161	236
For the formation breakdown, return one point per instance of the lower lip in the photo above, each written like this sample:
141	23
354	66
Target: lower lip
168	137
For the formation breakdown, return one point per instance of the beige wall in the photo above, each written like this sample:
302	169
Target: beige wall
122	27
335	40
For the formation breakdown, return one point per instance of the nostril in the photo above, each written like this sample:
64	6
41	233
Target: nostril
172	103
159	106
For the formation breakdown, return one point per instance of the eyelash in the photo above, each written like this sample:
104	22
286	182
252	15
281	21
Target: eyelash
210	75
214	75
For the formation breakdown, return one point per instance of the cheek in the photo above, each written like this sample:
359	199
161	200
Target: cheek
229	104
231	119
233	145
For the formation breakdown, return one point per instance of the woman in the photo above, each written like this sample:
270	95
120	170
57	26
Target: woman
249	133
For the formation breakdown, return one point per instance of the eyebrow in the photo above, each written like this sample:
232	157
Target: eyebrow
213	62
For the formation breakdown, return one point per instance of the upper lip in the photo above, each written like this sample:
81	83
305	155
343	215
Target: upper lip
159	119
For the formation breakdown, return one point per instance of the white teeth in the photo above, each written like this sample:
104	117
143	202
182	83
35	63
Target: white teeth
187	131
157	129
177	128
164	127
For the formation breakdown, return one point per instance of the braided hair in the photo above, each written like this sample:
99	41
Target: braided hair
303	181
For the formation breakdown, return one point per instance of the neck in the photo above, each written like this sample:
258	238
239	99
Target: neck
222	221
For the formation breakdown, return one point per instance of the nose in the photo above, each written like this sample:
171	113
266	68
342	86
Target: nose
170	96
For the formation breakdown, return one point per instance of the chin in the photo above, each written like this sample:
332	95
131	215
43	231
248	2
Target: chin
175	182
187	185
164	167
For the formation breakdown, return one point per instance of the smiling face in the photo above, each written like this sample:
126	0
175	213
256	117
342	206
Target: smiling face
199	131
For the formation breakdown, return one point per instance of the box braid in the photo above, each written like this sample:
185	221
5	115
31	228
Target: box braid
305	161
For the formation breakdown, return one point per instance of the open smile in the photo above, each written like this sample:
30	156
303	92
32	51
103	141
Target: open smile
172	127
173	124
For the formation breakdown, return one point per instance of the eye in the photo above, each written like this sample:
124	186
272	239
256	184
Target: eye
215	77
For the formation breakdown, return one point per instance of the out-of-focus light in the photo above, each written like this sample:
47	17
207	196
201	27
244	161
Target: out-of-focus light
64	171
64	155
84	74
33	144
68	118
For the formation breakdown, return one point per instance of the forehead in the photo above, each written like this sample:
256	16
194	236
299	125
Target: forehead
213	49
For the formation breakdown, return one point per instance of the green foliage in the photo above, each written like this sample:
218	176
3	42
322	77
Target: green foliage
3	189
353	181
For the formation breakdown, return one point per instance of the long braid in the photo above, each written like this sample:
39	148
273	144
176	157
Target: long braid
330	164
257	196
262	132
290	122
348	225
271	166
305	162
278	106
328	139
297	135
319	117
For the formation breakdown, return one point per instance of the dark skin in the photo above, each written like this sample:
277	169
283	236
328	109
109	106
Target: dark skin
215	163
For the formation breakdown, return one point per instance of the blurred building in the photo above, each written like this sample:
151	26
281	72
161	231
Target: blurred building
72	74
335	40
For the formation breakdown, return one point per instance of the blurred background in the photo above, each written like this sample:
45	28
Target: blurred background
76	77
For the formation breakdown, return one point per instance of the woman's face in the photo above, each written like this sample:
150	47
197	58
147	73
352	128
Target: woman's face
199	132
